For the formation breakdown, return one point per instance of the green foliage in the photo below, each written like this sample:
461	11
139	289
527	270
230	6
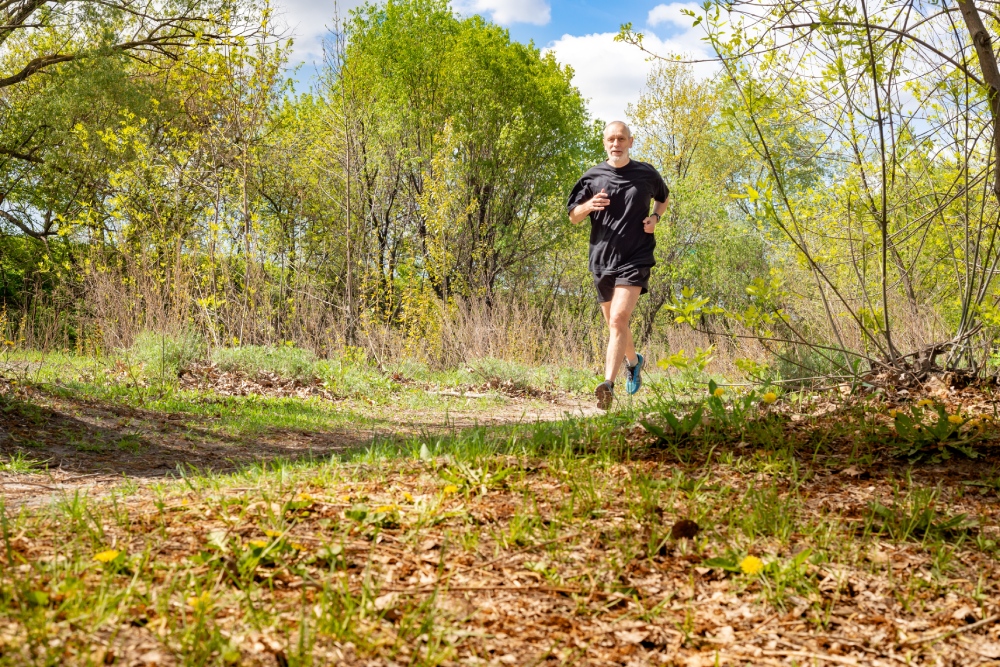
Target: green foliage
166	355
285	361
934	436
916	518
681	428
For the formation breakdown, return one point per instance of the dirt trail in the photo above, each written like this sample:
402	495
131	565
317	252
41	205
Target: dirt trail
91	447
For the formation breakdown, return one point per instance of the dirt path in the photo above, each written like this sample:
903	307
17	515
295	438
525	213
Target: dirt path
87	446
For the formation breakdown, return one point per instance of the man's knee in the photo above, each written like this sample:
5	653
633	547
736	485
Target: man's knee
618	321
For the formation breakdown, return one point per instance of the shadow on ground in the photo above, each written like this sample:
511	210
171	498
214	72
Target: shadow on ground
86	436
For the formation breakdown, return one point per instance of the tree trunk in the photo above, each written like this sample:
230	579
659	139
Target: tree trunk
991	76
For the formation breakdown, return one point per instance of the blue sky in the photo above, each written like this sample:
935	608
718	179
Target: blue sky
581	34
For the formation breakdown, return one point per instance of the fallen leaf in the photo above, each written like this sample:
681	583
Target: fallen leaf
631	636
988	649
684	529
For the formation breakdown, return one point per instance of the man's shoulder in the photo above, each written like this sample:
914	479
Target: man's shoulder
645	166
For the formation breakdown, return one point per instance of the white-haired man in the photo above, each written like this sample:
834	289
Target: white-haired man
616	195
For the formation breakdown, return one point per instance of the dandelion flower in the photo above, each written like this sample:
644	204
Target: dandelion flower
925	403
407	497
893	413
955	419
200	602
107	556
297	546
769	398
751	565
302	497
719	391
273	533
386	508
258	544
975	423
450	489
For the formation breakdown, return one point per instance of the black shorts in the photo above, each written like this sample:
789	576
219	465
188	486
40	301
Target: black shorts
607	282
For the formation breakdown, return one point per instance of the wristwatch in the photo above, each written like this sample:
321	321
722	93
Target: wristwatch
656	214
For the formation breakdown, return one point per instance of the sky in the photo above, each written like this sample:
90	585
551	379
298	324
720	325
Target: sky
609	75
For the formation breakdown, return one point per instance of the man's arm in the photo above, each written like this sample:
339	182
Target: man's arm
659	208
598	202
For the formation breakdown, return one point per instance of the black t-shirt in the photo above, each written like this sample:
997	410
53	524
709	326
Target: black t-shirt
617	238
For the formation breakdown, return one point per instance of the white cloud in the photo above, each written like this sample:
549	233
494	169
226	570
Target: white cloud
308	22
673	15
611	74
506	12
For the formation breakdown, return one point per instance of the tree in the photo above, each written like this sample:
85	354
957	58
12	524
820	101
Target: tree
99	60
897	105
499	127
706	243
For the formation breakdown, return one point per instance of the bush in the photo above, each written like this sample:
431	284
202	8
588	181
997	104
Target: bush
288	362
167	355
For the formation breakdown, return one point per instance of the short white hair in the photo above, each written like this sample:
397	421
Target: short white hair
622	123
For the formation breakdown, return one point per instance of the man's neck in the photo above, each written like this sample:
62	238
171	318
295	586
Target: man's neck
619	163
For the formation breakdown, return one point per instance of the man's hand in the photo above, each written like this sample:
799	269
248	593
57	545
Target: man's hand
598	202
649	224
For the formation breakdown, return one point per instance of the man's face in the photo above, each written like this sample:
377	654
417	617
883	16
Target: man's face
617	142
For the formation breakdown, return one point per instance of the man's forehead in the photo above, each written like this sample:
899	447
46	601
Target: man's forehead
617	129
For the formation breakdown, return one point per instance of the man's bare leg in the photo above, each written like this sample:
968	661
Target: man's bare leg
618	313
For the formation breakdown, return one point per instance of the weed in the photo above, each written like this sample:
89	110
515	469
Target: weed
915	517
165	355
18	463
284	361
922	438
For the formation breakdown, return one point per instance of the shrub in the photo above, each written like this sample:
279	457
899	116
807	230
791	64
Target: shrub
167	355
288	362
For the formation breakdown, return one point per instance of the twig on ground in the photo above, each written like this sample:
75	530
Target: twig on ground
951	633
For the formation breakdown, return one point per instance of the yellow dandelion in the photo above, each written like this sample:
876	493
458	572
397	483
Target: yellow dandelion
201	602
751	565
386	508
925	403
107	556
407	497
955	419
769	398
719	391
297	546
975	423
273	533
450	489
345	498
303	497
259	544
893	413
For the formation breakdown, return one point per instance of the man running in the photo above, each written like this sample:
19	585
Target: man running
616	195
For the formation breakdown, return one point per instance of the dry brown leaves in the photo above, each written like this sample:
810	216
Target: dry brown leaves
204	377
579	587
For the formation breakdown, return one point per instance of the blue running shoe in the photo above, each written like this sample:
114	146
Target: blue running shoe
634	375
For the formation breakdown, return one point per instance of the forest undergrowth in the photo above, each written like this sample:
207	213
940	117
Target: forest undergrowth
290	523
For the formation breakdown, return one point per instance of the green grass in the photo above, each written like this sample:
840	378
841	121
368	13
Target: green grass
19	463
